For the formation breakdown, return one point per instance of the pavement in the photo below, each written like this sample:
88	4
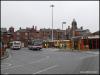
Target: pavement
49	61
6	55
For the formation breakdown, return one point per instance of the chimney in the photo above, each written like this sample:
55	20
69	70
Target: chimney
20	28
81	28
11	29
35	27
68	27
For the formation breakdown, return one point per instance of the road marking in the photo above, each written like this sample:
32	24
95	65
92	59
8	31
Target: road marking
7	64
92	52
6	73
9	57
85	57
45	69
25	53
47	57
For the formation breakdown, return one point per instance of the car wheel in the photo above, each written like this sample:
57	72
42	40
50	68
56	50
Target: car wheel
38	48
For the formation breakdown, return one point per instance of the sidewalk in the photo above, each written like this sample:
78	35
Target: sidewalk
68	50
94	51
6	55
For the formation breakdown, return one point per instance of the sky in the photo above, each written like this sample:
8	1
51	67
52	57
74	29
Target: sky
39	13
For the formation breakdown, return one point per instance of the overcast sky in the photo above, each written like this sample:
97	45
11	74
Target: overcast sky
28	13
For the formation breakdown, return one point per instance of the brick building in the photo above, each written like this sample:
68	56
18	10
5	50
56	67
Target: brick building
46	34
74	34
24	35
6	36
75	31
4	40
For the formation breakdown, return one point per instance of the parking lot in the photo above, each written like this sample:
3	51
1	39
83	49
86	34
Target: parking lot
49	61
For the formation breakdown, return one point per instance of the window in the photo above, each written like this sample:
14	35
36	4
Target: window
17	38
18	33
0	44
26	38
26	34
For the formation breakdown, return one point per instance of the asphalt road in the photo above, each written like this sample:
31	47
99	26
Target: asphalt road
50	61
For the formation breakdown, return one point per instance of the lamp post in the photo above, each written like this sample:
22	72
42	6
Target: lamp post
62	32
52	20
62	28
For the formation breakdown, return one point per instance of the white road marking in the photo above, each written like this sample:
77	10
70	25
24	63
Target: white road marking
25	53
7	64
47	57
6	73
45	69
85	57
9	57
92	52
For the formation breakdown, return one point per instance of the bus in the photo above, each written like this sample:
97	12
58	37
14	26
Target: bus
35	44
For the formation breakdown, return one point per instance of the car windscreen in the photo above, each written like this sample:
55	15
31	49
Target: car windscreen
15	43
35	42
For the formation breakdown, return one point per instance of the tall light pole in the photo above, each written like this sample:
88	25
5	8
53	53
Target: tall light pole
52	20
62	31
62	28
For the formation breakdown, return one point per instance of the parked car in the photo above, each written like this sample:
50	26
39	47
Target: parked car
35	45
15	45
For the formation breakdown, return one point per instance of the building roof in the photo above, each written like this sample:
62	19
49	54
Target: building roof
58	30
96	33
22	30
82	30
3	30
11	27
47	30
76	37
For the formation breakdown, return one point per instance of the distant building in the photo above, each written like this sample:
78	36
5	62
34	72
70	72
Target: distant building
24	35
6	36
11	30
74	34
21	35
75	31
91	41
58	34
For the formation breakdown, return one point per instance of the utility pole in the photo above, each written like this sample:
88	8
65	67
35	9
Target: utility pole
52	20
62	32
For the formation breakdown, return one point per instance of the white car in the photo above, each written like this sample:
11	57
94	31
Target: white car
15	45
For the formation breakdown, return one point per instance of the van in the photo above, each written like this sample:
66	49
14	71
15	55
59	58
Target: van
15	45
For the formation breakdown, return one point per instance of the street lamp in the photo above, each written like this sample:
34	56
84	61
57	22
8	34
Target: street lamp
52	20
62	28
62	31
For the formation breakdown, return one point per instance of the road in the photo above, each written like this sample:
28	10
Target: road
50	61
